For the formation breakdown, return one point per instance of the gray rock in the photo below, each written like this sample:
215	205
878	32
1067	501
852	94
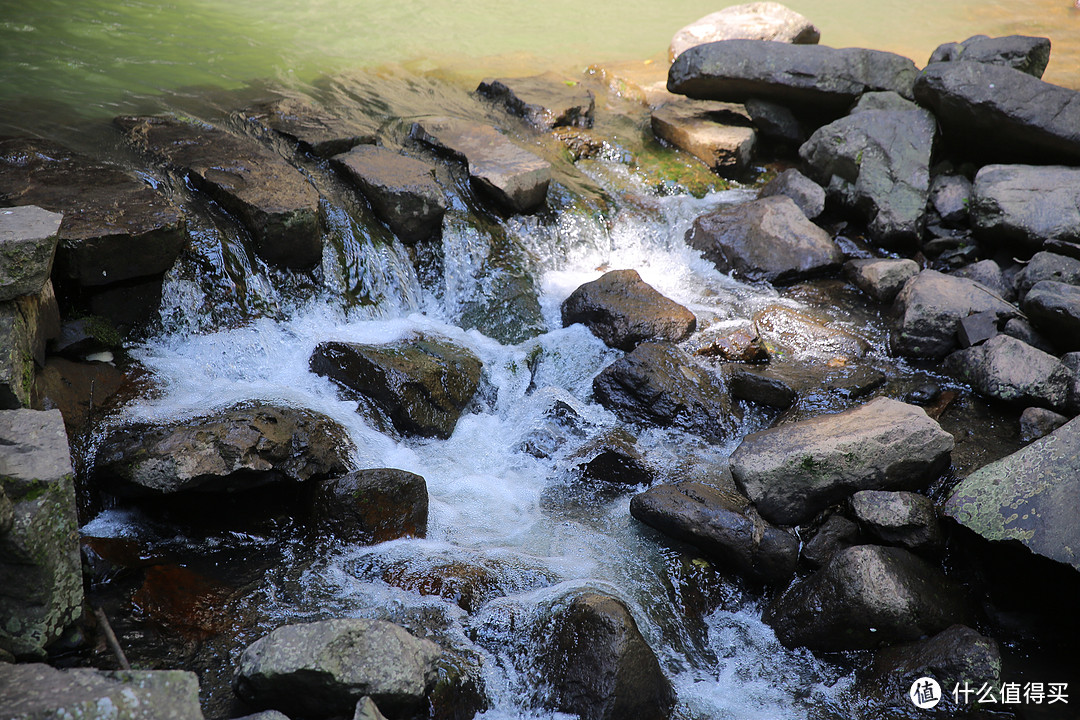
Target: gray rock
1023	206
366	709
28	238
929	307
718	134
987	273
1054	308
884	100
768	239
793	471
624	311
834	535
725	527
274	200
881	279
810	77
1036	422
877	164
265	715
26	324
402	190
7	512
41	692
867	596
1020	52
372	506
546	101
1027	497
516	178
977	328
807	194
1047	266
898	518
752	21
1023	330
421	385
612	457
312	128
950	196
40	568
762	388
238	448
1010	370
323	668
776	121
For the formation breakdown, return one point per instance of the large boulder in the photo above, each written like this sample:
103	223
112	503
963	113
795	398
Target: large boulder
1054	308
1010	370
238	448
546	101
723	525
372	506
752	21
718	134
421	384
898	518
1023	206
867	596
274	200
814	78
1027	497
807	194
768	239
27	245
323	668
312	128
793	471
624	311
1020	52
40	568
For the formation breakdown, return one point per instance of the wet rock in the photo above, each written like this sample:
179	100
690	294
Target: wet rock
718	134
401	190
1001	113
26	324
807	194
898	518
835	534
613	457
1038	422
270	197
742	345
793	471
85	336
34	691
929	307
865	597
323	668
514	177
768	239
950	196
76	389
183	602
988	273
624	311
546	101
1027	497
725	527
505	305
1054	308
580	144
1023	206
1019	52
659	384
1023	330
28	238
752	21
39	555
1012	371
814	78
776	121
877	164
881	279
372	506
600	667
640	81
790	333
761	388
238	448
1047	266
312	128
421	384
467	584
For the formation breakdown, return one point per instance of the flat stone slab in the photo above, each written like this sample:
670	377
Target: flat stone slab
314	129
514	177
718	134
752	21
546	101
116	227
271	198
28	238
1026	205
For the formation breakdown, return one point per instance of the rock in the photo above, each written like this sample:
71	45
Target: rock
865	597
372	506
659	384
1047	266
116	226
835	534
312	128
505	302
37	691
776	121
1023	206
1054	308
599	665
85	336
39	555
1038	422
546	101
1001	113
813	78
881	279
613	457
265	715
1022	330
1027	497
793	471
768	239
725	527
640	81
76	389
950	196
514	177
28	238
1012	371
624	311
1020	52
760	388
402	190
877	164
469	585
742	345
323	668
26	324
421	384
807	194
270	197
898	518
752	21
929	307
125	305
366	709
788	333
987	273
238	448
7	513
977	328
718	134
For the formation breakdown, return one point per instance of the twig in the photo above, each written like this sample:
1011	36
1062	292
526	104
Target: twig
994	295
110	637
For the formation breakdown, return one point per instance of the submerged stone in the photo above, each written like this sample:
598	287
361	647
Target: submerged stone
373	505
312	128
546	101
